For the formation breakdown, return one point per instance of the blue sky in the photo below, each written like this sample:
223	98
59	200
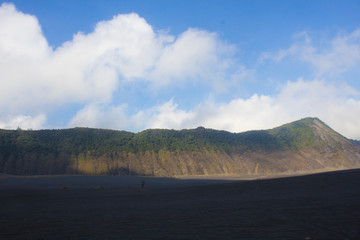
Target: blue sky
133	65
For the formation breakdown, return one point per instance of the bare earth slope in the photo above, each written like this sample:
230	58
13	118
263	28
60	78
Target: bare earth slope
319	206
304	145
324	149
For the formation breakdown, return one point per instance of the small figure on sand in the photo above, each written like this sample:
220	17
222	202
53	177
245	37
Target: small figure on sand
142	184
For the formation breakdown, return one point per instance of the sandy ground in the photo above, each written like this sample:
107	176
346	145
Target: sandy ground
318	206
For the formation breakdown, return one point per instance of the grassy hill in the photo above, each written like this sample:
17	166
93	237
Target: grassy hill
306	144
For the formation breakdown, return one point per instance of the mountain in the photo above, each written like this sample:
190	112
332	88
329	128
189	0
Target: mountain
307	144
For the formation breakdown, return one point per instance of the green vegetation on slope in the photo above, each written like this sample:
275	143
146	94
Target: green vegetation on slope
99	151
296	135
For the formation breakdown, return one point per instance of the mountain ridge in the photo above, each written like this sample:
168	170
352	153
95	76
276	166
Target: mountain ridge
306	144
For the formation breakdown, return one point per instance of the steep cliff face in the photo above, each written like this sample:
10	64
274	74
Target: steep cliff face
307	144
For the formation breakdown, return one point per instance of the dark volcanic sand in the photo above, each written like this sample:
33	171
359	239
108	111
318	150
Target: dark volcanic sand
319	206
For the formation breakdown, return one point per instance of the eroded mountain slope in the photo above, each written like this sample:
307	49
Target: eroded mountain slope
307	144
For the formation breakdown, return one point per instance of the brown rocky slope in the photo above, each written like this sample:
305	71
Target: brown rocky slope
304	145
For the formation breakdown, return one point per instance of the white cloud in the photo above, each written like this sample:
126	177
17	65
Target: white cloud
21	35
91	67
257	112
343	55
195	55
327	58
92	70
24	122
97	116
337	105
168	116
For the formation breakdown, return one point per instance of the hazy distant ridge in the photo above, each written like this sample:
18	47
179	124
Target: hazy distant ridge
307	144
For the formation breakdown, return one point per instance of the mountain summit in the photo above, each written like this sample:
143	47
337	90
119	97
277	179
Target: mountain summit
304	145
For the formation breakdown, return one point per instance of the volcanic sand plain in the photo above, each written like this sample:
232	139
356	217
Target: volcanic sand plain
314	206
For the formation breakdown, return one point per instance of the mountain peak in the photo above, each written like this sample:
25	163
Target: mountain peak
303	145
324	133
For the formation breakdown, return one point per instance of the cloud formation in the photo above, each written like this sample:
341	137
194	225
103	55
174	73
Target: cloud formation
337	105
92	73
91	67
25	122
328	58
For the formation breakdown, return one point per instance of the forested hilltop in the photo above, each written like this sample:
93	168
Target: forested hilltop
306	144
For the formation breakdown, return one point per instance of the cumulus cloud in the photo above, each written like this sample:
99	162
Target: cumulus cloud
95	115
90	68
337	105
93	71
23	37
22	121
168	115
196	54
328	58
